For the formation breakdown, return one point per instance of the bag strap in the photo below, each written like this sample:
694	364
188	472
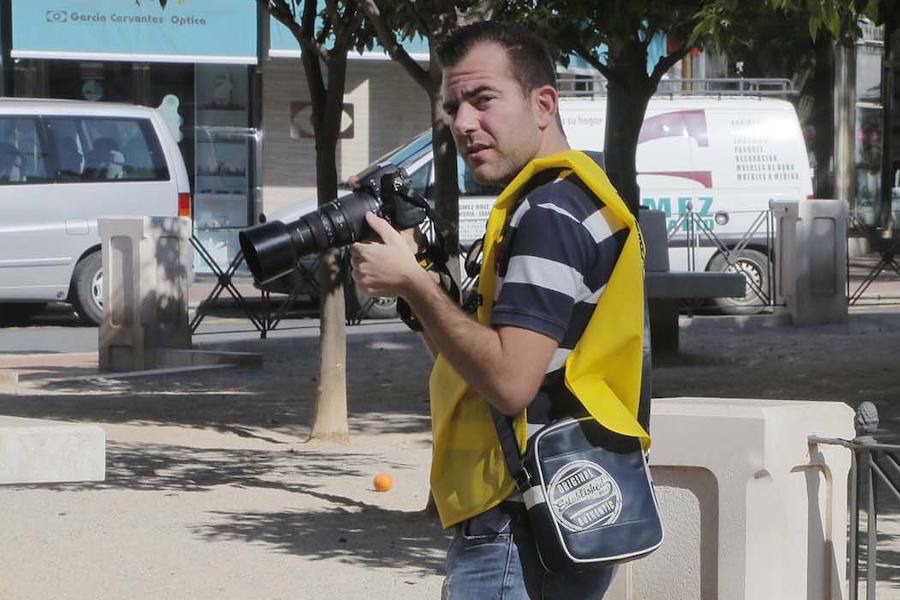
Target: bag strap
506	433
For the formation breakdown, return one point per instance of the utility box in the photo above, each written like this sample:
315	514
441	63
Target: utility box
750	508
821	287
146	276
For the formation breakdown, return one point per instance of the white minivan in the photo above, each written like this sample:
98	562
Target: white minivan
64	163
722	158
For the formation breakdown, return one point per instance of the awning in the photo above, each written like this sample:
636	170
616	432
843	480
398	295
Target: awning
187	31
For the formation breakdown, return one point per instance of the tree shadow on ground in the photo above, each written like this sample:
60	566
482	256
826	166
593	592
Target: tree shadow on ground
386	389
357	534
346	529
167	468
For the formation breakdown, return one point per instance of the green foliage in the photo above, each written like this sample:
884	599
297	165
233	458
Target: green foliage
582	27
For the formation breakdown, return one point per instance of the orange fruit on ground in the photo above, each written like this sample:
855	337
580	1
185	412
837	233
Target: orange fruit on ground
383	482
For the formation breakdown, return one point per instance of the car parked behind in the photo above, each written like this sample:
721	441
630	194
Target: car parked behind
63	164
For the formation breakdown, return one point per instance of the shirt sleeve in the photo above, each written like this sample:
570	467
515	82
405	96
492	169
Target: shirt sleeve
542	269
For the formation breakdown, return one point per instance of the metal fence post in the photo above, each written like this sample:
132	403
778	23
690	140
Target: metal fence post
853	571
871	529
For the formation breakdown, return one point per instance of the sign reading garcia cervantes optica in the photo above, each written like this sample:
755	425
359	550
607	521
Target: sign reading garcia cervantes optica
203	31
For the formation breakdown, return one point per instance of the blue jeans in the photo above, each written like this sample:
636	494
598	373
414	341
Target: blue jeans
493	557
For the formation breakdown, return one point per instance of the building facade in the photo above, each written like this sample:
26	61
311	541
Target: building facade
230	83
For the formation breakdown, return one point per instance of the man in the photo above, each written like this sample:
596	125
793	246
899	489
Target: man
557	254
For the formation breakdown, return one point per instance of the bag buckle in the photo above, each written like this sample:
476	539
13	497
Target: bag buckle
523	479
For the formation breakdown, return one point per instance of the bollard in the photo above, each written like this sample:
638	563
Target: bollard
821	288
146	274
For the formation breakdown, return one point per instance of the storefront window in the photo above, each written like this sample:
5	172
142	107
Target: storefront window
869	146
223	147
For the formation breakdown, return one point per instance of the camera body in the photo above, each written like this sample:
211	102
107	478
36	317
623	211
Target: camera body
274	248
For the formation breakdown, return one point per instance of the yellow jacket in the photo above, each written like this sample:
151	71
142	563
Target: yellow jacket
468	473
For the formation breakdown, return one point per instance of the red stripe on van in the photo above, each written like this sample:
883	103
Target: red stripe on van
184	205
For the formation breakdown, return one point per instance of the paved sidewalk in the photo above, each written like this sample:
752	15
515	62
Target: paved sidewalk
212	491
46	366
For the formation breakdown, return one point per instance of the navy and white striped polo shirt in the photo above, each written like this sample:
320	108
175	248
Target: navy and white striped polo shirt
559	252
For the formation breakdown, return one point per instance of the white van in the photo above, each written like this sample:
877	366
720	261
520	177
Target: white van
63	163
725	157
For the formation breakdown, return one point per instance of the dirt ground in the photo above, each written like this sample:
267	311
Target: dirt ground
212	492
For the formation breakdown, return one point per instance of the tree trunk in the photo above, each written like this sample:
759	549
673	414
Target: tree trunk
845	122
330	420
822	120
628	93
446	188
889	110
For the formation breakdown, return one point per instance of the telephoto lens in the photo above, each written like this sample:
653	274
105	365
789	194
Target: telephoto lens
274	248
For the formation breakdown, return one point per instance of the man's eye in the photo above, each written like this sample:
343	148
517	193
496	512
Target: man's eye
483	100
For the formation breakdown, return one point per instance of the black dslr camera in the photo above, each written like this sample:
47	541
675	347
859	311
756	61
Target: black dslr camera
274	248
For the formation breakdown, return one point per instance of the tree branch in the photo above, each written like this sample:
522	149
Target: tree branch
667	62
285	16
421	19
323	34
396	51
333	17
350	27
312	64
594	62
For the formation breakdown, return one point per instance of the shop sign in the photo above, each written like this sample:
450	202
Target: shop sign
199	31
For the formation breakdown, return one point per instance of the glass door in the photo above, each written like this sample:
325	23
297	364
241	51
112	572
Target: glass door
222	166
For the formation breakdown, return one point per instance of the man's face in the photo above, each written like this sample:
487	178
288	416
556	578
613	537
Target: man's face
493	121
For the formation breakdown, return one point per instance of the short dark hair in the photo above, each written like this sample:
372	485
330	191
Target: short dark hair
531	62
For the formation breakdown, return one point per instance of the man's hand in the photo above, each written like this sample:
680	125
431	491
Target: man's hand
389	267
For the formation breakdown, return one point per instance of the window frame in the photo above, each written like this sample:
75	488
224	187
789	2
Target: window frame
145	124
49	157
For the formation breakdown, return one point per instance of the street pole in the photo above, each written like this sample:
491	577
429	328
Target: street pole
845	121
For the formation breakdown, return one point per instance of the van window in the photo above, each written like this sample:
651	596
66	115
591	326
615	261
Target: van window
106	149
420	178
23	158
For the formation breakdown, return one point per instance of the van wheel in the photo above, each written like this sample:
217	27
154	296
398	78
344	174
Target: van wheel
755	267
86	293
384	307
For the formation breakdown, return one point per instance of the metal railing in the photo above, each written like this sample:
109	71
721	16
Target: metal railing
888	250
575	86
874	467
696	230
266	317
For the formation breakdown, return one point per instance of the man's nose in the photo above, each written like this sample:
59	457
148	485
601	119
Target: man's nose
465	120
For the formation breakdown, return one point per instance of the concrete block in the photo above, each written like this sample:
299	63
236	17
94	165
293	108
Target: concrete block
39	451
821	289
750	508
146	274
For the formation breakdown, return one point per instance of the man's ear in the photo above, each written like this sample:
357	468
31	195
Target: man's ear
546	104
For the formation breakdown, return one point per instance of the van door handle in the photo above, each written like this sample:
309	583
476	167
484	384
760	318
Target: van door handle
77	227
